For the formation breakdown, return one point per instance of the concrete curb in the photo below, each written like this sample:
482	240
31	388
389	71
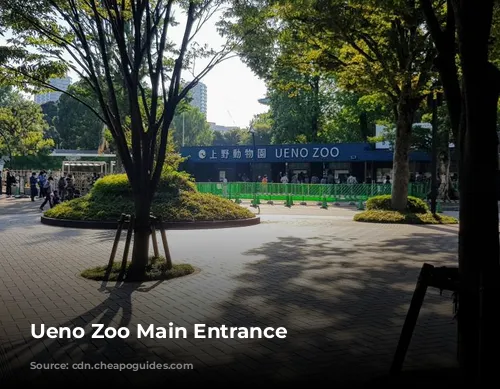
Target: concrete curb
112	225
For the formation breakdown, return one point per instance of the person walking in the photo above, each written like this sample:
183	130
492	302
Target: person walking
48	189
33	181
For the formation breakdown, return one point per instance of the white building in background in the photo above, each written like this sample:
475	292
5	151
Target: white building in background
60	83
199	97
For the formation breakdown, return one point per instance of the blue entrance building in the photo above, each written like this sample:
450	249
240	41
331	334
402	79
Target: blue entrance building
237	163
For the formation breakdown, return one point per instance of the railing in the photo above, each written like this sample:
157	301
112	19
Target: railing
304	192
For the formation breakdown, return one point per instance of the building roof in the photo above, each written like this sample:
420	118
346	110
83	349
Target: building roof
80	153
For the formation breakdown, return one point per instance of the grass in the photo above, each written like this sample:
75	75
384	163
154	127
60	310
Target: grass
381	216
156	270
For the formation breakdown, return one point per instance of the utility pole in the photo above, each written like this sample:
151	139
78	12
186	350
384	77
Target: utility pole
183	125
434	153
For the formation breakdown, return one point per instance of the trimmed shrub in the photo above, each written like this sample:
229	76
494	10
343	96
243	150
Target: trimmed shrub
176	201
118	185
383	203
395	217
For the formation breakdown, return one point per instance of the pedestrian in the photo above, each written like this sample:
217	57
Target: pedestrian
9	181
41	183
48	189
61	186
33	181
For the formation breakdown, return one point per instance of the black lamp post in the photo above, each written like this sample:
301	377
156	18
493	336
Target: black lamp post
254	202
435	102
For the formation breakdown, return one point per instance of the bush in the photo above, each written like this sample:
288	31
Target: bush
118	185
111	196
414	205
378	216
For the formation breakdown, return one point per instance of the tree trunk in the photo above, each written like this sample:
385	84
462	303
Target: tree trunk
142	233
478	259
401	163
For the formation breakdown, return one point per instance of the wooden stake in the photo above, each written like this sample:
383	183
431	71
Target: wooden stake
165	246
127	247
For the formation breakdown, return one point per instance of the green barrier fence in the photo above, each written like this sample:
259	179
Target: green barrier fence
258	192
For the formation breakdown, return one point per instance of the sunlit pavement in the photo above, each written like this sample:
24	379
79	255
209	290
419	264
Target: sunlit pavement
341	289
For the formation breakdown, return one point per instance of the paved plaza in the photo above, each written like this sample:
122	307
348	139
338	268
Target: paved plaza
341	288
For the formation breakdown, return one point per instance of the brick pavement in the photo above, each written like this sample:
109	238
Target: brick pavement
340	288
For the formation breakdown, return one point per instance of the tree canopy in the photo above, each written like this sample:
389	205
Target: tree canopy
22	126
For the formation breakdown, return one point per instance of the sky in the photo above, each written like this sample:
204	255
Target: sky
233	89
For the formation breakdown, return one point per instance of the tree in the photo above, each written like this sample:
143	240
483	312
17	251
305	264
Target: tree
295	102
262	125
49	110
371	46
478	334
118	49
22	128
78	127
471	89
350	117
190	127
231	137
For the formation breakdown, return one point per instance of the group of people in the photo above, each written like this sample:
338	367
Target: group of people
45	188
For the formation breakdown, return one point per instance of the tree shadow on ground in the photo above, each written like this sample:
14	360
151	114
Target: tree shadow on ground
343	304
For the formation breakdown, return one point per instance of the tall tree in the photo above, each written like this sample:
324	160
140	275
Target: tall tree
22	128
118	49
78	127
479	338
190	127
472	88
350	117
372	46
49	110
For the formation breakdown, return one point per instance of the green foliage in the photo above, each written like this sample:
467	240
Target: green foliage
395	217
262	125
77	126
118	185
350	117
231	137
197	131
155	270
176	200
415	205
22	127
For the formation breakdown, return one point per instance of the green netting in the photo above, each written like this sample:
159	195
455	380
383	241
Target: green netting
304	192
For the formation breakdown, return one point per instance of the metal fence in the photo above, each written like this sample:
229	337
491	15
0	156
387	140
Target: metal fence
304	192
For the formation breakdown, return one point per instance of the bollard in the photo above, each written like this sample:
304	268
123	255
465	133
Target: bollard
324	204
438	207
288	201
361	206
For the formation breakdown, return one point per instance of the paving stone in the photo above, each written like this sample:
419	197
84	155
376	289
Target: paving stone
340	288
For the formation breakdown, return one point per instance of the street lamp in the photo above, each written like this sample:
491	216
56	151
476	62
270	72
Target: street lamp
434	101
252	131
